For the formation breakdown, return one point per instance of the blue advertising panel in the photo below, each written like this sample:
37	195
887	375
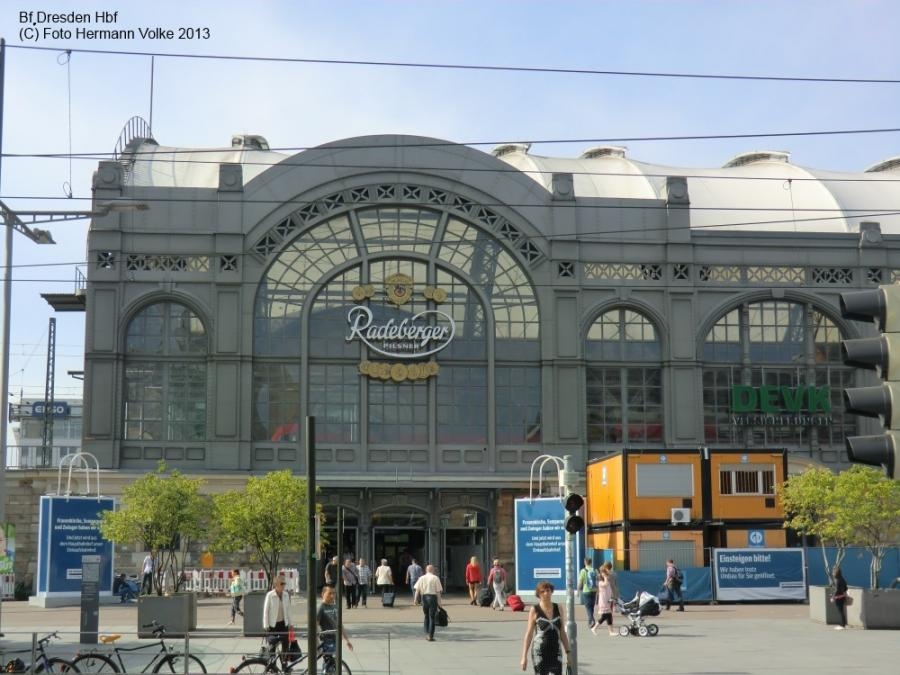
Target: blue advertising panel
70	529
541	545
759	574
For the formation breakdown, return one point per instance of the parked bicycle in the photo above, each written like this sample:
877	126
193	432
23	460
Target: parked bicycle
166	660
42	663
269	660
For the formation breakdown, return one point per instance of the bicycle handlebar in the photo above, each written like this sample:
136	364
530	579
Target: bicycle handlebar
48	637
158	628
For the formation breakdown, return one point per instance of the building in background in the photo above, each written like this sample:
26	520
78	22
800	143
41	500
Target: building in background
28	436
447	315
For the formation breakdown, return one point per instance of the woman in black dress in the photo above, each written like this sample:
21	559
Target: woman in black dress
840	596
545	634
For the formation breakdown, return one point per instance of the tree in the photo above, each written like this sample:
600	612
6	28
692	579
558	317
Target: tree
269	515
808	499
867	503
166	513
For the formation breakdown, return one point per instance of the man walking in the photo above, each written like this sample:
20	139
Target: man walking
147	574
365	578
350	581
428	590
413	574
331	572
587	585
673	582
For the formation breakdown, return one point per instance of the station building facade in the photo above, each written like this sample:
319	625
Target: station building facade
448	315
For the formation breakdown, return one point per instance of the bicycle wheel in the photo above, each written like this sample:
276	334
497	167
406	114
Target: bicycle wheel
94	663
256	666
174	663
57	665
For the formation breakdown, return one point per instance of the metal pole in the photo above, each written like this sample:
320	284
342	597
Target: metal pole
571	626
311	552
7	296
49	395
339	586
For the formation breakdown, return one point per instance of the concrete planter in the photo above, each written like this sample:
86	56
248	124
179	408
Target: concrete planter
253	609
878	609
177	612
821	609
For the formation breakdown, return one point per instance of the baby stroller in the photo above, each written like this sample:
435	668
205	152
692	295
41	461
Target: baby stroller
127	589
641	605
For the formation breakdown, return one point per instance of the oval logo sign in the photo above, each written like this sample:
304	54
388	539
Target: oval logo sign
411	338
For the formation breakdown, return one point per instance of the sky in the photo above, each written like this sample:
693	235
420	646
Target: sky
59	103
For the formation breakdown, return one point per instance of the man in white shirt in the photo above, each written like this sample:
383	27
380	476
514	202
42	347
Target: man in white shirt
277	614
428	590
147	574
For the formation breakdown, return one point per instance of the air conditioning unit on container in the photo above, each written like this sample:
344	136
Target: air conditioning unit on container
680	516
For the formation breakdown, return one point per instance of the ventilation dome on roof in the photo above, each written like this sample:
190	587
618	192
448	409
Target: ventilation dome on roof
758	156
507	148
890	164
604	151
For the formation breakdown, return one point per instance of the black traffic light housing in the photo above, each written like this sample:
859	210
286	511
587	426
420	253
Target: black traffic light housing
880	306
573	504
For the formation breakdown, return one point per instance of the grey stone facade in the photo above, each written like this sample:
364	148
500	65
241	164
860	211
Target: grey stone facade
207	242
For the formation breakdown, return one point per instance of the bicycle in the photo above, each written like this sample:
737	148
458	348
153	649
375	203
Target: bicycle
270	660
42	663
166	660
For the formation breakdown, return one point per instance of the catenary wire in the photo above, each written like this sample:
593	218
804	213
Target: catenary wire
444	144
475	67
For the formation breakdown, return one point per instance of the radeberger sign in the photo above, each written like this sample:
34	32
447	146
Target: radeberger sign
775	405
414	337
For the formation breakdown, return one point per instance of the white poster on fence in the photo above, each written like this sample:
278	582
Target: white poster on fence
759	574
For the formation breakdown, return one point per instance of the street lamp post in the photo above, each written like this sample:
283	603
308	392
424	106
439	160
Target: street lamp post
572	502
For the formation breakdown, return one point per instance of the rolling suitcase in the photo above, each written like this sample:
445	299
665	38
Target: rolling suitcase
515	603
485	596
387	599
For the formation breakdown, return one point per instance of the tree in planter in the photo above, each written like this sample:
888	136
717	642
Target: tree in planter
166	512
809	499
268	516
867	503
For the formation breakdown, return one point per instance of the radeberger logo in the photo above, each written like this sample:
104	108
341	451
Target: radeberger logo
415	336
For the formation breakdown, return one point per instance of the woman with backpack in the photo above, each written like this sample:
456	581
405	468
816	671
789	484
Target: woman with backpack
587	586
497	578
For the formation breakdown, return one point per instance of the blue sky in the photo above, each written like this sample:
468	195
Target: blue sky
201	103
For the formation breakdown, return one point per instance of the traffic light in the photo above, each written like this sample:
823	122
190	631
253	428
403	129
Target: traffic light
881	354
573	504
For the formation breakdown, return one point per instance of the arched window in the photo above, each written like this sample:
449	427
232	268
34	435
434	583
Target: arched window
624	379
165	375
773	374
454	269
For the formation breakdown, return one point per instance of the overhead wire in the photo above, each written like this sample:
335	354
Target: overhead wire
435	143
481	67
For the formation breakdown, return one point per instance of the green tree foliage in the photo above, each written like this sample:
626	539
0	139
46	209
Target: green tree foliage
857	507
808	500
165	512
268	516
868	503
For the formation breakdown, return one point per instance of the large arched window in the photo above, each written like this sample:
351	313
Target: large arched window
165	375
773	374
624	379
360	395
